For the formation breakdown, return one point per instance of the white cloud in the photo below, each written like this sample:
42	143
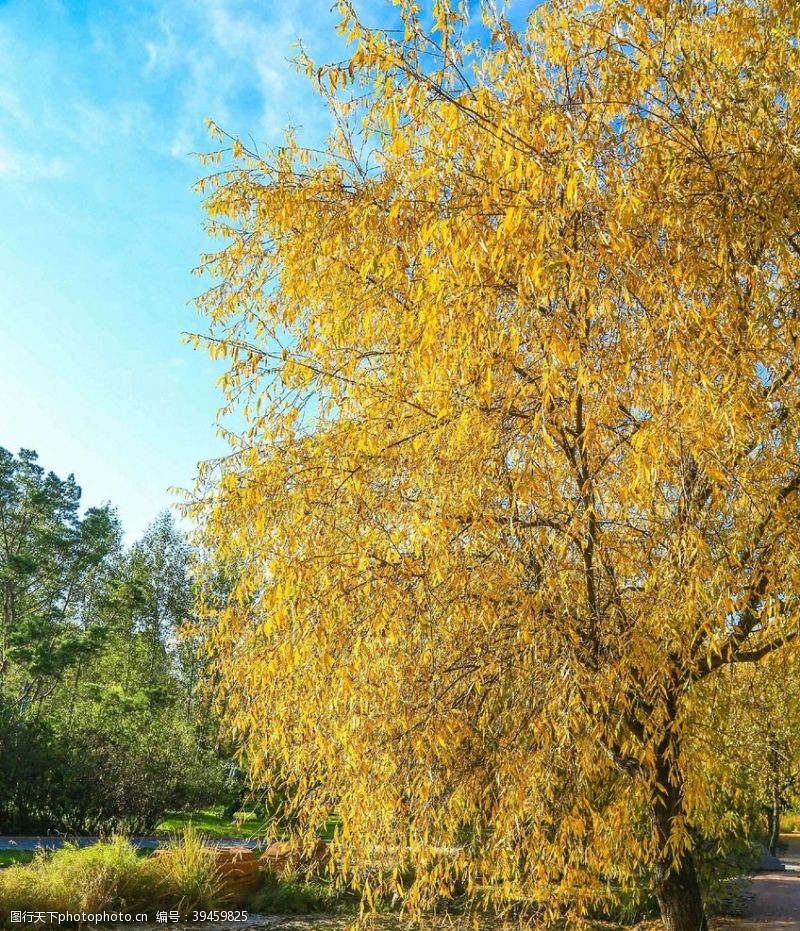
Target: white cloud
152	55
91	126
100	41
228	55
228	60
161	50
30	166
181	144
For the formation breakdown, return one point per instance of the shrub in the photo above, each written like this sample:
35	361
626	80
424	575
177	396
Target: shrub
293	894
790	821
118	767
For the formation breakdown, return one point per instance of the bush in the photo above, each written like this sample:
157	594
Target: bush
790	821
117	767
32	761
136	765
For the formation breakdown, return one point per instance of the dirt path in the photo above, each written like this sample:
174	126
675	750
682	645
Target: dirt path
775	905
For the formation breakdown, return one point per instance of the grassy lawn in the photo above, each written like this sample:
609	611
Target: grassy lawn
212	823
9	857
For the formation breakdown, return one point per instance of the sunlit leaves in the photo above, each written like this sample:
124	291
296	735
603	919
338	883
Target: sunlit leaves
518	468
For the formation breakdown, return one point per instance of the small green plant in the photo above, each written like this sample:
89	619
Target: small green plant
106	875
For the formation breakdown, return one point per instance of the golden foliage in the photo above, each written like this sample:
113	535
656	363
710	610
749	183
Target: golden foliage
517	360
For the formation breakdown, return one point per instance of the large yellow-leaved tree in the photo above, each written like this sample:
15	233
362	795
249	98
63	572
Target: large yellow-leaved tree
516	355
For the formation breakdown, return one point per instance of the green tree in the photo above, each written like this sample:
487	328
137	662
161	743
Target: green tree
153	597
54	565
98	711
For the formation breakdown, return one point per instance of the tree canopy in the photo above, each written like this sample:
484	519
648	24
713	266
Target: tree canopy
517	358
52	564
102	723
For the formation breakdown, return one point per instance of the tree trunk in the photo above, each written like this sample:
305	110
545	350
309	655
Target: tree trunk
775	819
678	895
675	883
8	620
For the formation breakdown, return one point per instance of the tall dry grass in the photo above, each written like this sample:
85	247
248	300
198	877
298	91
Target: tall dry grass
186	869
790	822
113	876
108	875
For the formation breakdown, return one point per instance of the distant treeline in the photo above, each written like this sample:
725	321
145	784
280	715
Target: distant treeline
103	724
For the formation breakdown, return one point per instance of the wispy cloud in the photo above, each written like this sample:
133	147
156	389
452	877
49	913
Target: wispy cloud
95	99
151	80
29	166
231	59
161	49
94	126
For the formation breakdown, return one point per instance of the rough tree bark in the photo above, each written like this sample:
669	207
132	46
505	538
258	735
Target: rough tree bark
675	883
678	895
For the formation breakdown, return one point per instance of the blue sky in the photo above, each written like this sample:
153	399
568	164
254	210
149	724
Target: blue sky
101	103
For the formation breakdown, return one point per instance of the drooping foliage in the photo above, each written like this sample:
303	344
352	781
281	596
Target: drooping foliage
750	716
517	356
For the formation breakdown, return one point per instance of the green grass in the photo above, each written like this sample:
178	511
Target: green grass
212	823
10	857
